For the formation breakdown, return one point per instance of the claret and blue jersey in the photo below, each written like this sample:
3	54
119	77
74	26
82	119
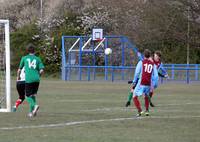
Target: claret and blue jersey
146	71
161	70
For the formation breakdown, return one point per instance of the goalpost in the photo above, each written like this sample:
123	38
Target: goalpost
5	87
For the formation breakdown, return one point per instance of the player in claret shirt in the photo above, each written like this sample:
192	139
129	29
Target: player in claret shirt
161	72
144	71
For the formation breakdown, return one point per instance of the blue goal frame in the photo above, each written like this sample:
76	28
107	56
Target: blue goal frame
80	40
122	71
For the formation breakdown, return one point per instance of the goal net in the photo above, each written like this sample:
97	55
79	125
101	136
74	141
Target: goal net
5	89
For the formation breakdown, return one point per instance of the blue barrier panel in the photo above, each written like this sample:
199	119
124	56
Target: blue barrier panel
114	73
196	72
79	57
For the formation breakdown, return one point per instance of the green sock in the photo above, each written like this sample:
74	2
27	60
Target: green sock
34	100
149	98
31	103
130	96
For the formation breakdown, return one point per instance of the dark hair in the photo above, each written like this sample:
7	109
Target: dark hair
30	48
157	52
147	53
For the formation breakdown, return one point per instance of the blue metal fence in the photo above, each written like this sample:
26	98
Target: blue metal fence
177	72
75	45
111	72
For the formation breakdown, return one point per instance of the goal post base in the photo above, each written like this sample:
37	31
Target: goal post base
5	110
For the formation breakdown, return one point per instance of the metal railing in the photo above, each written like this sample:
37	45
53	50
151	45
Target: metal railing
177	72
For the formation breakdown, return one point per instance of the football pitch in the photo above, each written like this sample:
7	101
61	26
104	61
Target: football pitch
95	112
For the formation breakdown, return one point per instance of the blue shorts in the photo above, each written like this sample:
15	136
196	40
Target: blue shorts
141	89
154	84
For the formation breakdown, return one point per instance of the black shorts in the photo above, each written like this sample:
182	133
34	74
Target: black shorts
21	89
31	88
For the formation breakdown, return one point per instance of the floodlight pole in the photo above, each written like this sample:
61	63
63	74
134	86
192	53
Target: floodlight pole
188	36
41	14
188	44
41	9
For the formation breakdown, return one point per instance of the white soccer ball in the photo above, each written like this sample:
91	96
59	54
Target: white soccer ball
108	51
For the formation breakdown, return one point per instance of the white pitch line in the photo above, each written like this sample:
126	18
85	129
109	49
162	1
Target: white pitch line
108	109
64	124
130	108
93	121
179	104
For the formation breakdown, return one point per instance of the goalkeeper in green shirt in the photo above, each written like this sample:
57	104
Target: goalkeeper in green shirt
34	68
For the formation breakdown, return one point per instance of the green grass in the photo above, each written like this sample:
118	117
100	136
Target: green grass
175	119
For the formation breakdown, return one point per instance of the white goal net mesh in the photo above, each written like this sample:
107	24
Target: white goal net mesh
5	105
2	67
